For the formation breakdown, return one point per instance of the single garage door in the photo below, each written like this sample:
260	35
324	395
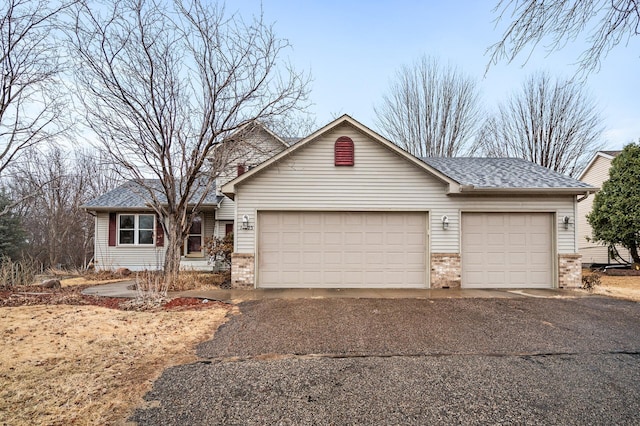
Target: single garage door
508	250
342	249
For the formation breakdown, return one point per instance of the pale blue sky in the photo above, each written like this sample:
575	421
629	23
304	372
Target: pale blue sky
354	48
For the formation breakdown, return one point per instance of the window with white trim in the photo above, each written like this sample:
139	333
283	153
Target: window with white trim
193	246
136	229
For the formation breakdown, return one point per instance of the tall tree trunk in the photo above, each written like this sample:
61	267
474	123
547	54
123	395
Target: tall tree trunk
174	236
633	250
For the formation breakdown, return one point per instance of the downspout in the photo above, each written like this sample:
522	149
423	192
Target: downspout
584	197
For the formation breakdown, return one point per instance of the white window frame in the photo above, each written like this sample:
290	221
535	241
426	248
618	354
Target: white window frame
185	247
136	230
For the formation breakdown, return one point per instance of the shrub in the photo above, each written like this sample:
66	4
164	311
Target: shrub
589	282
220	249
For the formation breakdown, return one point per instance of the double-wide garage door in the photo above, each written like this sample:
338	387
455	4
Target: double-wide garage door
342	249
509	250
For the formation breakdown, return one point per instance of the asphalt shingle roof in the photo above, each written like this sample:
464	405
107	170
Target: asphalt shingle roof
132	194
501	173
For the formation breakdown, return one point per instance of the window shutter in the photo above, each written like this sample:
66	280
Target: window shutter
343	152
112	229
159	233
241	169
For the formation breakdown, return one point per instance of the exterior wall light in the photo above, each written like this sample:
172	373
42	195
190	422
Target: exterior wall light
445	222
245	223
566	220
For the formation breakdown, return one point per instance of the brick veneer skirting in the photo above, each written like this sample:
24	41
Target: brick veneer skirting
445	270
569	270
243	270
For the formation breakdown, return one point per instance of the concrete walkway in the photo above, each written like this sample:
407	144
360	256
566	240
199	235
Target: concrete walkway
119	289
236	295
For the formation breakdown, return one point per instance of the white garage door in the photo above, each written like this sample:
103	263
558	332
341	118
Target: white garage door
508	250
342	249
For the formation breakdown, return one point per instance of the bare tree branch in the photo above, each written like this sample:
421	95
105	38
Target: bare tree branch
552	123
430	110
31	106
608	23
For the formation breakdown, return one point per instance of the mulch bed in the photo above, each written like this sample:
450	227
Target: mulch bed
622	273
37	295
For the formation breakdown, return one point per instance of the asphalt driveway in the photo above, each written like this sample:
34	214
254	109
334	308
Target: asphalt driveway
395	361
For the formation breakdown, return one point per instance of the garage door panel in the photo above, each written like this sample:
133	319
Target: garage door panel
342	249
539	259
495	276
414	239
374	220
518	277
507	250
289	257
310	258
353	238
518	258
495	221
517	220
495	258
288	221
538	239
289	238
374	238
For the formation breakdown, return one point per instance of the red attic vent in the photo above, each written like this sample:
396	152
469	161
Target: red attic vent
343	151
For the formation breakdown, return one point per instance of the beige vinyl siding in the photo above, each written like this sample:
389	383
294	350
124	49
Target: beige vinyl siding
591	252
254	149
221	230
131	257
380	180
135	258
209	229
226	210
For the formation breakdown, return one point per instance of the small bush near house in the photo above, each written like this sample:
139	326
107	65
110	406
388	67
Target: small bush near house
589	282
220	249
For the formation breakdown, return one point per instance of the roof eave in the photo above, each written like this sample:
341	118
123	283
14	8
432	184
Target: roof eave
204	206
593	160
471	190
114	208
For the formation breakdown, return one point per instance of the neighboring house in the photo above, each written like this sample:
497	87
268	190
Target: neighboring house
595	174
127	234
345	207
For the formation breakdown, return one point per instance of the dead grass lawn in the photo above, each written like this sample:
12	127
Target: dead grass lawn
65	364
626	287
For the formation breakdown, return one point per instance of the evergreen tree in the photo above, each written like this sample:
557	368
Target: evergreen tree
11	233
615	218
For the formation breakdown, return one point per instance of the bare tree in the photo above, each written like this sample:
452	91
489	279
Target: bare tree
532	21
58	230
553	123
293	126
31	105
162	83
430	109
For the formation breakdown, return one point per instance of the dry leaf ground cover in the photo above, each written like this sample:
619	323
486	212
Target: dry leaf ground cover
72	364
